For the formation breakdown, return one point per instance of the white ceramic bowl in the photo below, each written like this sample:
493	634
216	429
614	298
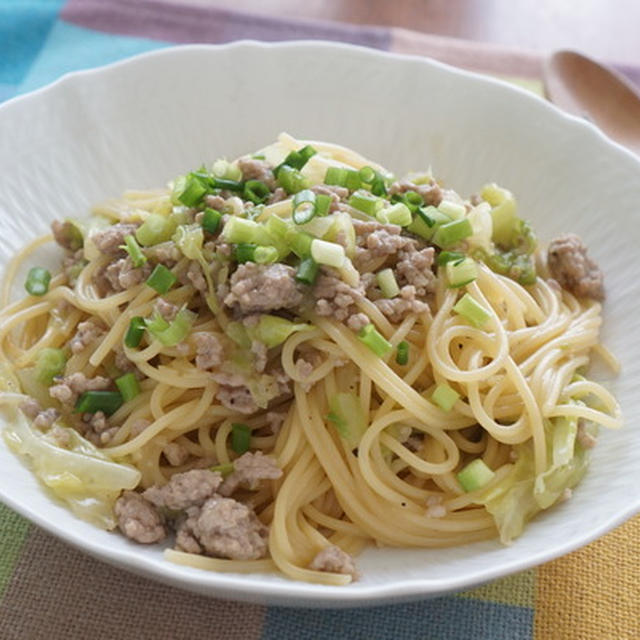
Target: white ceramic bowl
140	122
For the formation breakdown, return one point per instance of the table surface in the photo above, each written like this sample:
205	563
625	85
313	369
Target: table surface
599	28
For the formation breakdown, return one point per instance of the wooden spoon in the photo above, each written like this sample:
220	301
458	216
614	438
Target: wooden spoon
584	88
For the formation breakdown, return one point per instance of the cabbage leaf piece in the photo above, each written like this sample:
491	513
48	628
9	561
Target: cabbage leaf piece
520	494
80	475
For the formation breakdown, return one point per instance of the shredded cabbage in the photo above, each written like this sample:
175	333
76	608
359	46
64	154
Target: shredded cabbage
83	477
520	495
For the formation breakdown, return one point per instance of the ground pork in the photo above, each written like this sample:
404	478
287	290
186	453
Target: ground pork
431	193
166	253
209	350
275	419
398	308
256	287
122	275
109	240
184	490
87	332
253	169
97	428
122	362
66	235
223	528
336	298
166	309
67	389
138	519
195	276
358	321
175	453
576	272
42	418
333	559
336	193
248	470
585	439
237	398
260	353
277	196
414	267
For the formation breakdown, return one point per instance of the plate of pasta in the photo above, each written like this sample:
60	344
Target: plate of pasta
312	347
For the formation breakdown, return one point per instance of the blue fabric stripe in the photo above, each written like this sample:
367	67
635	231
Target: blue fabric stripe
439	619
71	48
24	26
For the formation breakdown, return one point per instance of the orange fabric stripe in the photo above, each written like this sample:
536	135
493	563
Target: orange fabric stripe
593	593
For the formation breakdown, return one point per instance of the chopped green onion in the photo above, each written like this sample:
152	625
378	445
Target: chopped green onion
155	229
211	220
327	253
223	469
352	181
189	190
227	185
387	283
135	332
366	202
273	330
256	191
226	170
367	175
398	214
402	353
348	418
71	235
445	397
265	255
291	180
336	176
93	401
277	226
453	209
297	159
135	253
174	332
240	438
50	363
129	386
413	200
161	279
378	186
452	232
307	271
299	242
370	336
475	475
461	272
304	206
37	282
238	230
472	311
450	256
323	204
432	216
244	252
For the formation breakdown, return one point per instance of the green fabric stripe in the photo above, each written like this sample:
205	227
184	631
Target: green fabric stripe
13	532
518	589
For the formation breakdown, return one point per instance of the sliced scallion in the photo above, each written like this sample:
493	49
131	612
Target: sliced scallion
37	282
449	256
291	180
402	353
93	401
461	272
135	332
244	252
445	397
323	204
472	311
237	230
296	159
189	190
328	253
304	206
256	191
50	362
211	220
299	242
174	332
132	247
387	283
371	337
397	213
307	271
161	279
366	202
475	475
128	385
240	438
454	210
451	233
